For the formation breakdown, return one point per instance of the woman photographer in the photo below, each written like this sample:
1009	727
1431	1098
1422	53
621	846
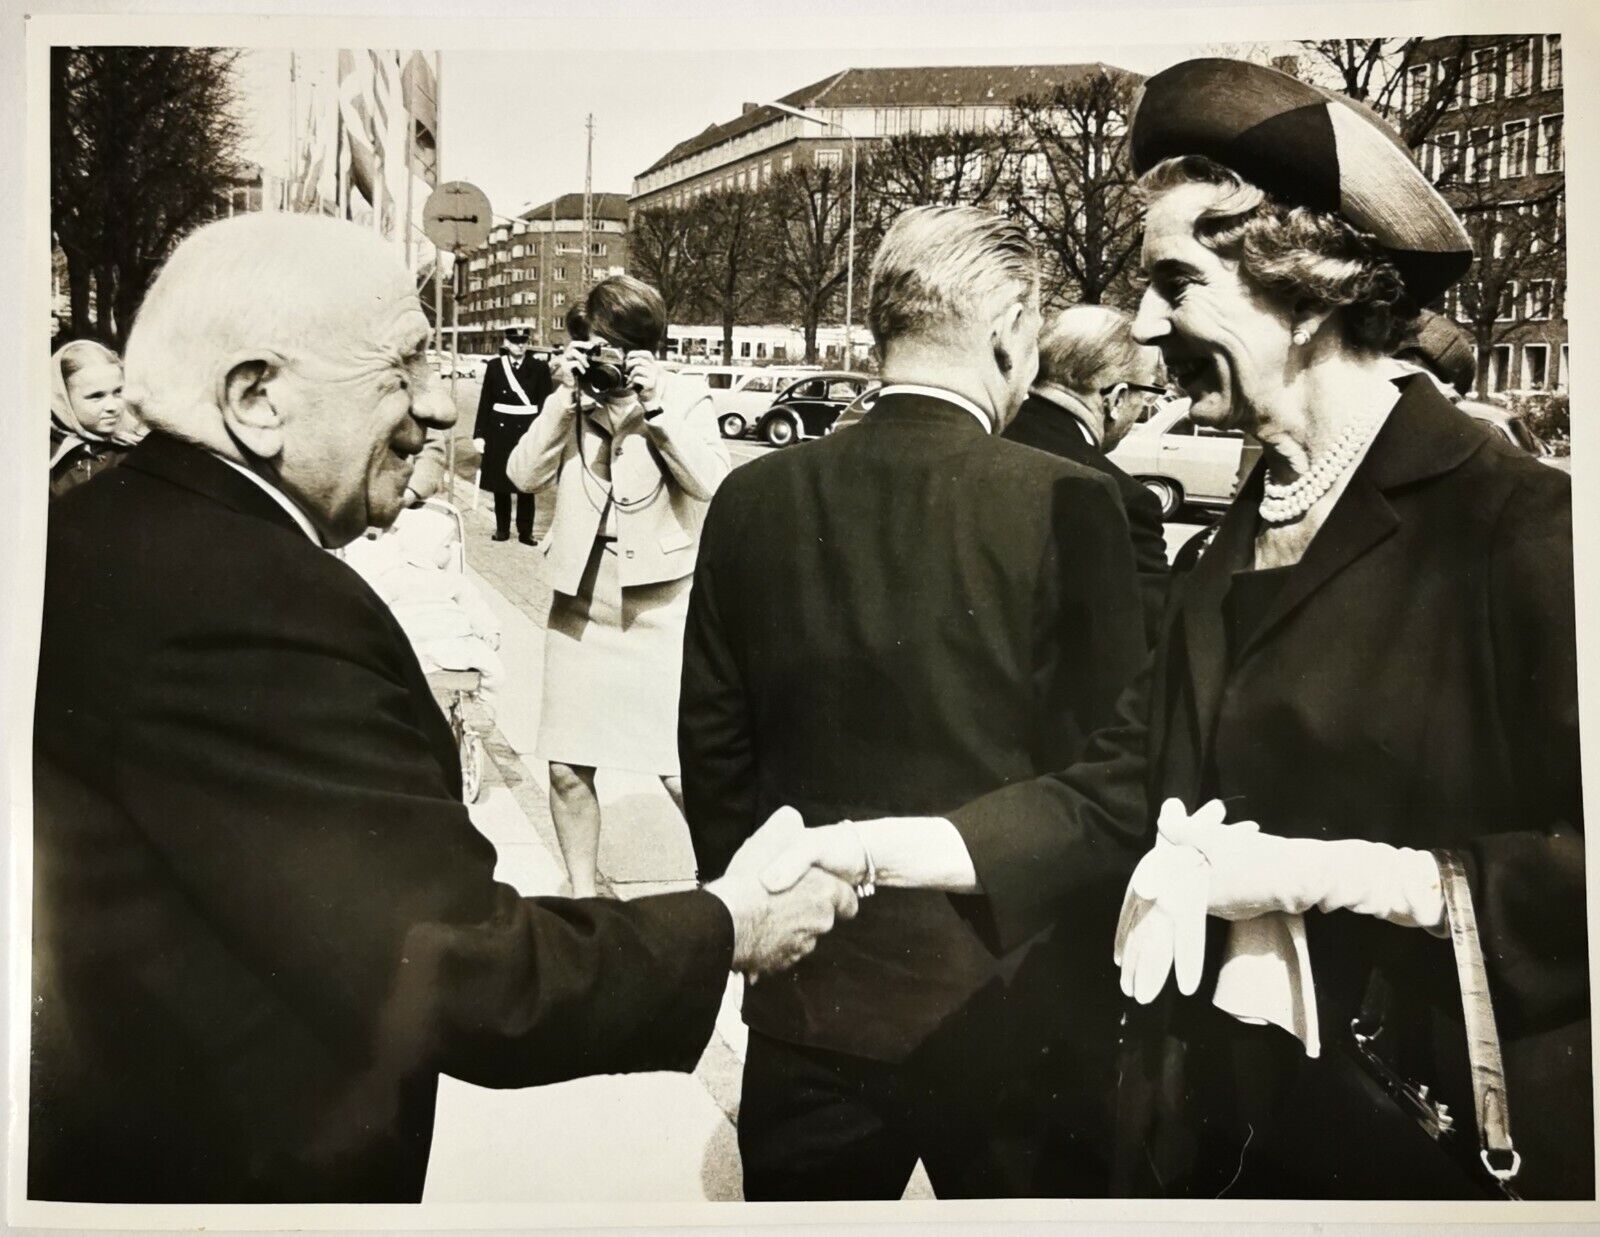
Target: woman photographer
632	481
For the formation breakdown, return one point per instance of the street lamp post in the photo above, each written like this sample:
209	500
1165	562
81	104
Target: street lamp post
850	243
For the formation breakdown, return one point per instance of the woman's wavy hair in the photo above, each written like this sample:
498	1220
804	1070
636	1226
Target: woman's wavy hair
622	309
1295	252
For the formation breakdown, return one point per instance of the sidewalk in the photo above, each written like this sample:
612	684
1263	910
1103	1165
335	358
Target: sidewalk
649	1137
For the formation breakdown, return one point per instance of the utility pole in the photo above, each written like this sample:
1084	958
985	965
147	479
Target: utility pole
588	209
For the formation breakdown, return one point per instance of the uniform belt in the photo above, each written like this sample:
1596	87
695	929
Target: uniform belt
516	410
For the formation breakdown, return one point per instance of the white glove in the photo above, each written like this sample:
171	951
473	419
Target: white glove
478	443
1254	873
1162	926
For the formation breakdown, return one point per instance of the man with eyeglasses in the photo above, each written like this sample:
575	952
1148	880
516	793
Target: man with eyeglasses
1095	384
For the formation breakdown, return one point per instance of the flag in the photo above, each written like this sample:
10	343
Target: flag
356	125
419	92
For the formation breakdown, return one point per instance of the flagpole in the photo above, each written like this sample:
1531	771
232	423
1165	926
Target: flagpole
438	179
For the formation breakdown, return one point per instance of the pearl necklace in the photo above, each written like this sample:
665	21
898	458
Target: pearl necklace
1283	504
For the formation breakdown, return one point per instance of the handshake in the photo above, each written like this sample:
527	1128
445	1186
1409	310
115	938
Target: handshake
787	886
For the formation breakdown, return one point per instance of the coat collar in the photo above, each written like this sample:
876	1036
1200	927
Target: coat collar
1423	437
923	407
197	470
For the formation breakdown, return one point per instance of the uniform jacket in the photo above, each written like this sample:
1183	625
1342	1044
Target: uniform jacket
1049	427
889	622
664	470
263	922
500	430
1414	683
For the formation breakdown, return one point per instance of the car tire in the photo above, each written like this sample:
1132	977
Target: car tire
1167	492
780	431
731	424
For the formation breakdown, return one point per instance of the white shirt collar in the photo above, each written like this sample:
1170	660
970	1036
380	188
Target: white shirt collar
277	496
949	397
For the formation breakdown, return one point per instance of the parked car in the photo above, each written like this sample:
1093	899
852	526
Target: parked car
1182	462
465	367
739	393
808	407
1515	430
857	408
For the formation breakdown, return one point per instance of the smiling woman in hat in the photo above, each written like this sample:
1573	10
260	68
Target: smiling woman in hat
1374	660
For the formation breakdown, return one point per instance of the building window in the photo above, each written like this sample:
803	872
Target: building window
1481	155
788	163
1535	366
1500	368
761	351
559	272
1419	82
744	348
558	323
1539	298
597	248
766	172
1514	149
1449	158
1506	310
1480	78
1561	378
1552	62
1550	156
1519	69
830	158
558	299
1445	69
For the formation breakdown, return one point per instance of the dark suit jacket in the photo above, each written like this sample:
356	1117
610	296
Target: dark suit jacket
1414	683
502	431
1049	427
263	922
887	622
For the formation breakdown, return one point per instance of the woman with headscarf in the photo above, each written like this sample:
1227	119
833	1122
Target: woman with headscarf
86	413
1375	660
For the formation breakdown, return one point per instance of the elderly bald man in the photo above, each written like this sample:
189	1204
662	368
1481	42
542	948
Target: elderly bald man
263	922
1094	381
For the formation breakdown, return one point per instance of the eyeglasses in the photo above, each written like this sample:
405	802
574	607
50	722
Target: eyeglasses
1134	386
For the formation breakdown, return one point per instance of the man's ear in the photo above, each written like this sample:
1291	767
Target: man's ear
248	410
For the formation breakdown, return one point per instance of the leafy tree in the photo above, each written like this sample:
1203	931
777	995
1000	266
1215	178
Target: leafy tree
143	143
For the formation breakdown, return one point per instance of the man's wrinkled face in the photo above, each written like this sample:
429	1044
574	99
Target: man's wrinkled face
355	416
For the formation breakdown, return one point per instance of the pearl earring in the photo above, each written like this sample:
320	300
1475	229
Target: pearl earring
1301	336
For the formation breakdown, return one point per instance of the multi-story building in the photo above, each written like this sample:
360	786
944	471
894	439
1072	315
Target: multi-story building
1497	153
532	269
870	104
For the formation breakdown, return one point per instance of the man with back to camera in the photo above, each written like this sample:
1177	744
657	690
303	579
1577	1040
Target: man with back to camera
949	613
1095	380
515	386
263	922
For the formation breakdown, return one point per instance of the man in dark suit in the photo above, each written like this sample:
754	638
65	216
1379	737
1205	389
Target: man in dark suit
1094	381
515	386
263	922
948	613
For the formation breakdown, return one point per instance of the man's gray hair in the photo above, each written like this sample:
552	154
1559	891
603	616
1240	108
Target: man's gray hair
270	282
942	268
1087	347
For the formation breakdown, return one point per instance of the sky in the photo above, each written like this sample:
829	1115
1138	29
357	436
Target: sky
513	122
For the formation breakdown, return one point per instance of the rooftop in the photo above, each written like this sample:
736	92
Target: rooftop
570	206
966	85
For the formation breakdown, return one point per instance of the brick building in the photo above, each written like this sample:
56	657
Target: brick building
761	142
532	269
1497	153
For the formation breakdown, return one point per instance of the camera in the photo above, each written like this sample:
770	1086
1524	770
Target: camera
605	374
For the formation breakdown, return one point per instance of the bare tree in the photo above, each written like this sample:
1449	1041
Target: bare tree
143	142
1378	72
1072	184
811	220
737	229
666	249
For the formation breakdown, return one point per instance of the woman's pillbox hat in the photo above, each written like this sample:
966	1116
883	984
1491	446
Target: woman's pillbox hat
1306	147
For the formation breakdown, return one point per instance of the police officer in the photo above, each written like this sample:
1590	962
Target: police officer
514	388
